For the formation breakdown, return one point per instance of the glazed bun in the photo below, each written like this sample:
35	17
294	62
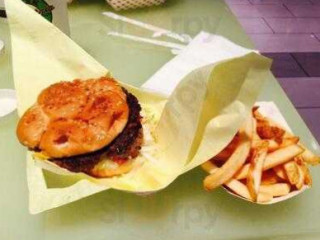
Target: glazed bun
74	118
31	127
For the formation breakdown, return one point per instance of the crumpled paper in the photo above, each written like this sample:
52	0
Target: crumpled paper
197	121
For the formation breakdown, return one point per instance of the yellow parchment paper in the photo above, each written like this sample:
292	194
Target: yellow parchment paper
197	120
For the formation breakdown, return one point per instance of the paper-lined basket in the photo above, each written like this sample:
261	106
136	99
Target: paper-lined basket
198	120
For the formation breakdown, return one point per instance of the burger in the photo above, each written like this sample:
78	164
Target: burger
91	126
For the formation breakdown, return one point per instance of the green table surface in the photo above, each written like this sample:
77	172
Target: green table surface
181	211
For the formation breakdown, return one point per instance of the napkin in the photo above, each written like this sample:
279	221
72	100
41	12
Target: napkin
193	124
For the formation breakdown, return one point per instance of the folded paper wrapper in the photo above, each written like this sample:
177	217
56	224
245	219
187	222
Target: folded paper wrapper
198	120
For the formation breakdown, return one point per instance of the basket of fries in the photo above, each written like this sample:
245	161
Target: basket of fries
130	4
264	163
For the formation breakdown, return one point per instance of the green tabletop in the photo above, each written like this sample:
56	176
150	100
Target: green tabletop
181	211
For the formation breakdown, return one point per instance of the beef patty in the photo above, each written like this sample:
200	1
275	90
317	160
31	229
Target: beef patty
125	146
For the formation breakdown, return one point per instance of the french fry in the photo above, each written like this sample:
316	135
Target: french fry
281	173
257	115
273	145
231	166
243	172
309	157
276	190
272	160
263	161
289	141
307	176
209	167
292	171
269	177
286	134
267	131
299	160
281	156
264	197
301	177
256	166
238	188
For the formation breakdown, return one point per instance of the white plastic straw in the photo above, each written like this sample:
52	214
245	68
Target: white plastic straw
148	40
157	31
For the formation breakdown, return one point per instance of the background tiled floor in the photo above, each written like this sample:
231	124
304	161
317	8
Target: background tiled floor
288	31
280	25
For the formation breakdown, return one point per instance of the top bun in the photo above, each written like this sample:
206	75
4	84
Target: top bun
73	118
